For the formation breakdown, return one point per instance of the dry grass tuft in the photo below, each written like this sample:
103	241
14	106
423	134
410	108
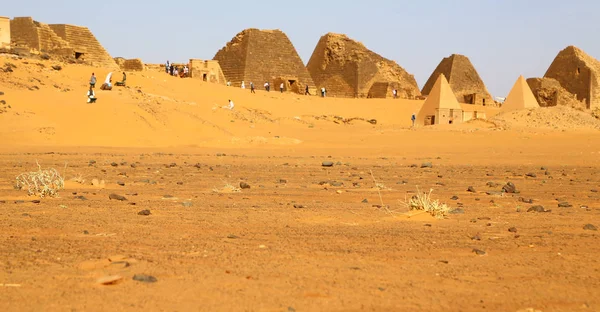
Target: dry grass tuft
228	188
423	201
41	183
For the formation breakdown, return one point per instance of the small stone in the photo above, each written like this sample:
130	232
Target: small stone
526	200
590	227
492	184
531	175
117	197
244	185
91	162
414	166
179	183
327	164
564	205
594	191
231	236
86	232
144	278
543	168
172	165
283	181
187	204
57	67
457	211
336	184
144	212
471	189
198	165
109	280
427	165
476	237
133	165
537	208
114	164
509	188
298	206
479	252
512	229
81	197
121	183
365	201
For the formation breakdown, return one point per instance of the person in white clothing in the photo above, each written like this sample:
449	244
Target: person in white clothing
281	87
91	95
243	85
230	105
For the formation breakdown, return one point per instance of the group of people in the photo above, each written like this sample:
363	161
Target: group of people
107	85
174	70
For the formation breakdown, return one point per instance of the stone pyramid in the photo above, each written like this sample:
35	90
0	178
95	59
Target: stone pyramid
463	79
261	56
520	97
440	102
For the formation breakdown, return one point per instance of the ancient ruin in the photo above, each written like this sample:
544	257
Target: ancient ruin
346	68
579	74
261	56
463	79
520	97
4	32
130	64
60	39
441	106
549	92
207	70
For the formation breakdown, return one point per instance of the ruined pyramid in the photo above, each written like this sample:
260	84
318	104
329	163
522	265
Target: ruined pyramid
463	79
441	106
520	97
346	68
261	56
578	73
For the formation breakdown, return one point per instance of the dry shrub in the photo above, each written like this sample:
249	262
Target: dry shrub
596	113
41	183
423	201
228	188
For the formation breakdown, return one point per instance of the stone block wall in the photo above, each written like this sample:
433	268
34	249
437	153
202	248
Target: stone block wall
4	32
548	92
130	64
39	36
85	44
207	70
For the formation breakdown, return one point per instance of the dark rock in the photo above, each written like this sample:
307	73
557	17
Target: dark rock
457	211
564	205
81	197
471	189
509	188
298	206
172	165
179	183
221	154
414	166
114	164
231	236
57	67
594	191
116	197
91	163
512	229
365	201
531	175
244	185
543	168
336	184
327	164
454	197
144	212
198	165
86	232
479	252
492	184
36	201
133	165
121	183
145	278
537	208
590	227
282	181
526	200
45	56
476	237
494	193
427	165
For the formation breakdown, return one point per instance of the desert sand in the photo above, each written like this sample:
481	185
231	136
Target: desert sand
303	237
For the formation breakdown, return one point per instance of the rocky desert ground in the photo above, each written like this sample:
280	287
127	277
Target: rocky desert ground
287	203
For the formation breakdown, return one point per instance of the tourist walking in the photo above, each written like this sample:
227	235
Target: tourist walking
281	87
167	66
413	118
91	95
252	87
267	86
93	81
395	93
306	91
186	71
243	85
323	92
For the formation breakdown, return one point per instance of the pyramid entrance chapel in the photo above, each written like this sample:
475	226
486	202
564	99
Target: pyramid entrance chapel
441	106
261	56
463	79
346	68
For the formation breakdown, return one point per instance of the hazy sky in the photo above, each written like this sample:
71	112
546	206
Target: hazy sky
503	38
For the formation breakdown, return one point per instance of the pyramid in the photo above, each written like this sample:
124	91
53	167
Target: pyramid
520	97
578	73
441	105
463	79
261	56
346	68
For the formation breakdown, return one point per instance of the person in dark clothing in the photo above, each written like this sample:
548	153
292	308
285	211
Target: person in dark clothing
93	81
306	91
252	87
121	83
171	69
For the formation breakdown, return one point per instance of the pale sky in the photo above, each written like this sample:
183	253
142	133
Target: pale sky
503	38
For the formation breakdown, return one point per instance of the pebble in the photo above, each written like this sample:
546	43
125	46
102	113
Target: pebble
109	280
187	204
117	197
145	278
457	211
427	165
231	236
594	191
298	206
590	227
144	212
476	237
336	183
471	189
526	200
114	164
509	188
479	252
327	164
81	197
531	175
365	201
283	181
492	184
564	205
121	183
537	208
512	229
244	185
